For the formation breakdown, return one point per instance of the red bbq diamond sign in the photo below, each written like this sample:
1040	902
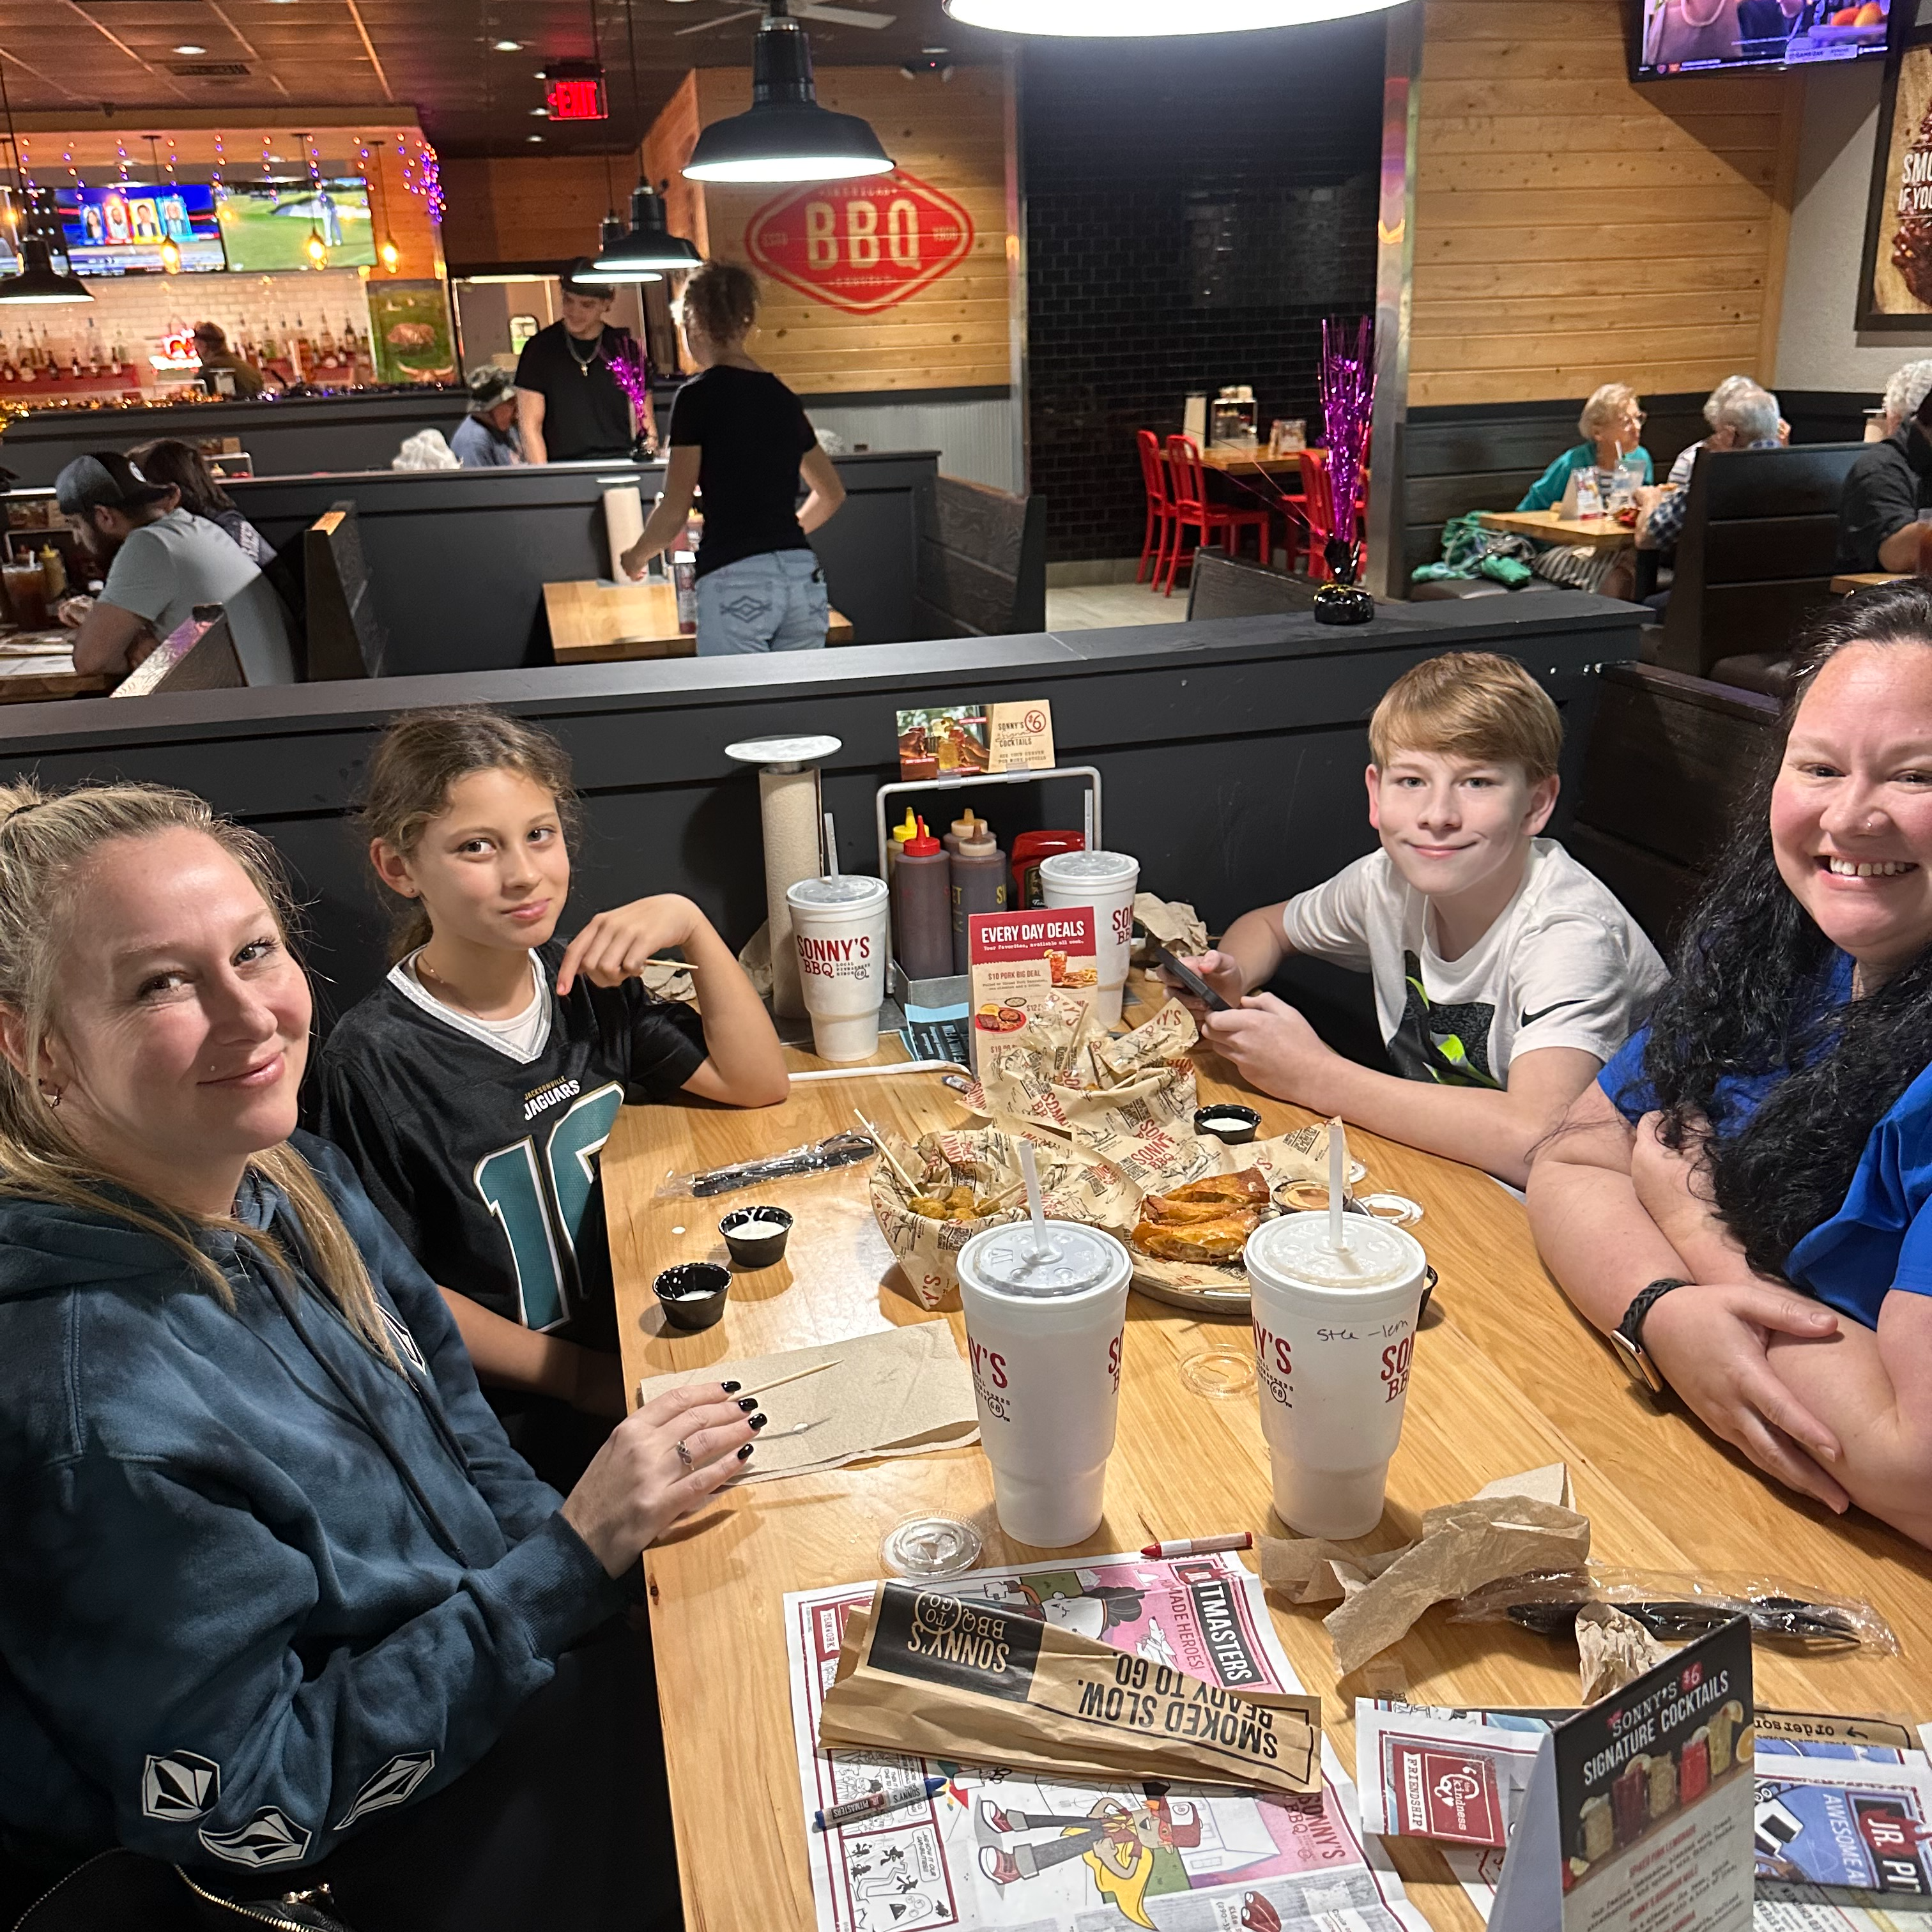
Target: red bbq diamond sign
860	245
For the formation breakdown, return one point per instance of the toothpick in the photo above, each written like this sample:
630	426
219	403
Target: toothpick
796	1375
886	1153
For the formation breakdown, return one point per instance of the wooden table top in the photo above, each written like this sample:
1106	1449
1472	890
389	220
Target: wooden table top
1546	527
1506	1378
1857	580
1228	456
593	622
29	675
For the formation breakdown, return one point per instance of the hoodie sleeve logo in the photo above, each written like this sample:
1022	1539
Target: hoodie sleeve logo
179	1787
400	1334
271	1837
390	1786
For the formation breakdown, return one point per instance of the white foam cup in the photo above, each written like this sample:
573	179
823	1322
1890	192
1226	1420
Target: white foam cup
1044	1334
1107	881
1334	1333
840	926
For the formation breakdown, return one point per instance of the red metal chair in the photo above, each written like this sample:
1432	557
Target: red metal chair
1320	500
1159	504
1188	478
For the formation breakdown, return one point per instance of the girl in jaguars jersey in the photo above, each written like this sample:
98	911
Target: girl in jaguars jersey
475	1087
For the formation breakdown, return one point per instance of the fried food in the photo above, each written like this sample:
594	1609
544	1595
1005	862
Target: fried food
1222	1193
1217	1241
958	1203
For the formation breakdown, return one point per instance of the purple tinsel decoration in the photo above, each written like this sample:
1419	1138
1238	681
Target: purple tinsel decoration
631	372
1348	407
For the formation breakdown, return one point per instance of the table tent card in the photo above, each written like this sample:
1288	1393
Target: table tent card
1639	1812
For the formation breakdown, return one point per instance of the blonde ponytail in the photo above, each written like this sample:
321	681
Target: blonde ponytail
47	839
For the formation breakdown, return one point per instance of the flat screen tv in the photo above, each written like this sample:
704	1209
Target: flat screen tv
266	224
1679	36
118	230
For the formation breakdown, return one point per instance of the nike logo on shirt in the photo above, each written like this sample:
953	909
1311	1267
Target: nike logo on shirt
1530	1019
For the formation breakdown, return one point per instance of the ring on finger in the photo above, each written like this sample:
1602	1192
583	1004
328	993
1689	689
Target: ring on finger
683	1453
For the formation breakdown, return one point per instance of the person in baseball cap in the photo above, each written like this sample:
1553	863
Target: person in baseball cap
160	561
486	438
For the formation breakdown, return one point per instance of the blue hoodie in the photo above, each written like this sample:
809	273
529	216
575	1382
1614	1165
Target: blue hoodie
255	1586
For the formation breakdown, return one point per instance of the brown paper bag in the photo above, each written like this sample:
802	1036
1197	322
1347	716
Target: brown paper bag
1175	923
1075	1185
925	1673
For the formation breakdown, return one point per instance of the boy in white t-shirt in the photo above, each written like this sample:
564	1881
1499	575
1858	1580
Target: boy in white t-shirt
1505	974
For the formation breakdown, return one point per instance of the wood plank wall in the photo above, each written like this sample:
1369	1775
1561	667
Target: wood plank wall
1572	229
526	209
952	334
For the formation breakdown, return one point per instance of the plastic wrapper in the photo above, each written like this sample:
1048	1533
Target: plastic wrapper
1678	1606
817	1157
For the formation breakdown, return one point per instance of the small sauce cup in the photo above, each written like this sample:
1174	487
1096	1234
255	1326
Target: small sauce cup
692	1294
1231	1125
756	1236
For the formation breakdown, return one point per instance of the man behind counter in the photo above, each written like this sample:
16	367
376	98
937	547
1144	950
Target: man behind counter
212	352
569	407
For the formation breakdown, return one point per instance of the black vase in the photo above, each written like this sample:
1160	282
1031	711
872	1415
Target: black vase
1342	600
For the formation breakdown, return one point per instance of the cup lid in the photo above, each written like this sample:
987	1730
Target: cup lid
1072	1259
1373	1253
841	889
1088	869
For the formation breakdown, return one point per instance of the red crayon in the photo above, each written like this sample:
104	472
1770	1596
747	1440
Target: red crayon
1202	1545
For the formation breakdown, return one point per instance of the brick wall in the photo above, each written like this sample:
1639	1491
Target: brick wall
1194	209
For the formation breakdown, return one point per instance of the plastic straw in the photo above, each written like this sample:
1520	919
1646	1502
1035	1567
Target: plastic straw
1087	821
831	849
1338	1179
1030	1169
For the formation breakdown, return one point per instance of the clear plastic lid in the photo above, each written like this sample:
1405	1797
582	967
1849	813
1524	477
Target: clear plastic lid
1071	1259
842	888
1372	1253
1088	869
929	1548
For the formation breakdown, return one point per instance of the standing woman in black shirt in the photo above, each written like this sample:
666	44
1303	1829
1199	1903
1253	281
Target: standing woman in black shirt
740	437
569	406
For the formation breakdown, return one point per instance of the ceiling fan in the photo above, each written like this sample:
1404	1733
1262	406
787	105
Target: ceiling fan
807	10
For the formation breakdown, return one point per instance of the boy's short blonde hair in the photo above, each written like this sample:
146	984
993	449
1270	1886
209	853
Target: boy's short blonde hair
1469	704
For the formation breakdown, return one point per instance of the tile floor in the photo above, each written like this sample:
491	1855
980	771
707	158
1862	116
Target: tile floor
1099	606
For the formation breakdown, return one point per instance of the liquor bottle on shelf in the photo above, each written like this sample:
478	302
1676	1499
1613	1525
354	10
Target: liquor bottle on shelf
93	348
326	342
8	373
304	349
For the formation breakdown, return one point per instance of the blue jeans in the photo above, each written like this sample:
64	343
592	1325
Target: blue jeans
776	601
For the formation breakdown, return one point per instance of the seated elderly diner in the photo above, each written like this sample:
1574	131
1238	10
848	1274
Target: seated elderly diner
160	562
1740	1201
279	1604
1889	488
1612	426
1742	415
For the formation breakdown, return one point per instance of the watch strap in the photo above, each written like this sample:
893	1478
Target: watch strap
1646	1298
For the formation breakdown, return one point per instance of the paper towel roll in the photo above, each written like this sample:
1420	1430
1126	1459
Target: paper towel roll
623	524
788	806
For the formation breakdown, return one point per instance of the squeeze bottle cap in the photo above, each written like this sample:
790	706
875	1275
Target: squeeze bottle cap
909	830
971	826
981	844
922	845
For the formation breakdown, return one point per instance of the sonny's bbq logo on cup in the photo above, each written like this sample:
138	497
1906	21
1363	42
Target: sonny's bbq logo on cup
835	958
923	1634
1274	1363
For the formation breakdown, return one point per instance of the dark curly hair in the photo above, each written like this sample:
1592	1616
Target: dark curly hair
1746	1000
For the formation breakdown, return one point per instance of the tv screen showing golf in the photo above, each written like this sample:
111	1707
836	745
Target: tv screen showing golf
273	225
125	229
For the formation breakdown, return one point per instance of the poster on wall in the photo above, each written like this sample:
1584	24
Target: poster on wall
408	324
1895	282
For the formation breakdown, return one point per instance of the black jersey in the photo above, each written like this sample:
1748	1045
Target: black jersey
487	1166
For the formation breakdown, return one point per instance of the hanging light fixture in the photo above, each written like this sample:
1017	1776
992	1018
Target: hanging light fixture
170	249
650	250
38	280
1121	20
387	253
786	135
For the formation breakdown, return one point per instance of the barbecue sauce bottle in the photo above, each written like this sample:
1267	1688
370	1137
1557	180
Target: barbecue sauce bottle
979	885
922	892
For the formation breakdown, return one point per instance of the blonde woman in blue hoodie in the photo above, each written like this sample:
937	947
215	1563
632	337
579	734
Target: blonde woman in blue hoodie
280	1607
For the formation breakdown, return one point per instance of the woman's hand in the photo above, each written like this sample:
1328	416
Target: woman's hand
616	945
638	1485
1708	1341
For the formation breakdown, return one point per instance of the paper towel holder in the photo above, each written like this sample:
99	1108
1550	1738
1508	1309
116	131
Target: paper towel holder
782	755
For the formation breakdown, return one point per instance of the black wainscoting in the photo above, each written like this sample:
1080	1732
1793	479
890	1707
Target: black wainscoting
1484	456
457	559
1232	755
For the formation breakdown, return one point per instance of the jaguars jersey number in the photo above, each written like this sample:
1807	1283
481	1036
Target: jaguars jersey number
538	1200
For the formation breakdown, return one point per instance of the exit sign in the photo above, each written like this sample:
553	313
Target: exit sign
574	91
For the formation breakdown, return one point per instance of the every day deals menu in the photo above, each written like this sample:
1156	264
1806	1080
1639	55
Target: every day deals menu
1640	1811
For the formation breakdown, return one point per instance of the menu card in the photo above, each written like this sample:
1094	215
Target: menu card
1017	960
1638	1814
1021	736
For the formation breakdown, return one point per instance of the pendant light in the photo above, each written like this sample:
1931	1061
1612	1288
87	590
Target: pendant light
170	249
38	280
786	135
650	250
1122	19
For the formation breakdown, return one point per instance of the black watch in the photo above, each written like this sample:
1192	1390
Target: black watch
1626	1337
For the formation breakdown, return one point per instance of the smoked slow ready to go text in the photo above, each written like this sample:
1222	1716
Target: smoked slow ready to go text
925	1672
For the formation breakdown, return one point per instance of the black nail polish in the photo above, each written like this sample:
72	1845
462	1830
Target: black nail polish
759	1421
746	1450
731	1388
747	1403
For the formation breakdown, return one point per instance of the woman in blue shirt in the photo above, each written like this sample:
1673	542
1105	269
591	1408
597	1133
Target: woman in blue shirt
1611	423
1772	1129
